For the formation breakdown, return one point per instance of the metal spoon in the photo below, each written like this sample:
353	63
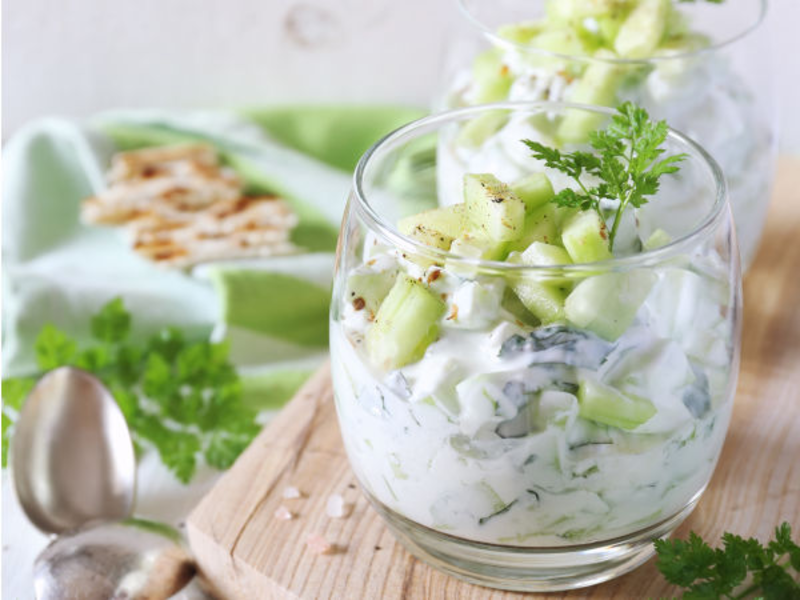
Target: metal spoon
74	472
72	454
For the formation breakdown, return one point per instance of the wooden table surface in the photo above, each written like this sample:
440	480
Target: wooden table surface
246	553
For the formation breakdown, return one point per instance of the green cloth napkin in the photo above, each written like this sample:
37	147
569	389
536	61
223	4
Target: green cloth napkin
273	312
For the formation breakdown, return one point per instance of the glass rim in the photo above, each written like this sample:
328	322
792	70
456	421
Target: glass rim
496	39
648	258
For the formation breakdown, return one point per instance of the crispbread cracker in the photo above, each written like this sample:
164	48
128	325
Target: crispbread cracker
181	208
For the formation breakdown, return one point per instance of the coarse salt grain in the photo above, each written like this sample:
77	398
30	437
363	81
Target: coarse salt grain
318	544
283	514
291	492
335	507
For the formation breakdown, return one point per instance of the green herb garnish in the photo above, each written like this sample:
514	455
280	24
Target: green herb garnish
183	399
628	164
741	569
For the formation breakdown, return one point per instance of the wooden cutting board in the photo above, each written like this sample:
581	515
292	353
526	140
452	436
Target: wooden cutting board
247	553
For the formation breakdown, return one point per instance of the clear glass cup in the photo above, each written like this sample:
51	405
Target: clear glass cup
712	80
484	454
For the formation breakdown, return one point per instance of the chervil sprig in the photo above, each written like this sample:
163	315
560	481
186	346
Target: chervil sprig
626	167
742	568
183	399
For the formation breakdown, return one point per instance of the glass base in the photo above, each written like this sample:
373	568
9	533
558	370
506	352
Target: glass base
529	569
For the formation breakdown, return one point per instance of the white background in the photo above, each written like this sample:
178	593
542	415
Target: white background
75	57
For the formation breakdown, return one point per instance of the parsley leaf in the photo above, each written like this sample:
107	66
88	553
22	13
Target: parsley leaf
627	165
183	399
742	568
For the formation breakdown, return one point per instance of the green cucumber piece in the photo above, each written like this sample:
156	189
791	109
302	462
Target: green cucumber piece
644	29
542	225
544	301
491	78
564	40
371	286
493	209
430	237
534	190
476	131
585	237
448	220
607	304
514	305
603	404
657	239
471	246
541	254
598	86
405	325
577	10
520	33
542	296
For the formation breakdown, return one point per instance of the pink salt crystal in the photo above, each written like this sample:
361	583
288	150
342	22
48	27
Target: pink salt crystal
335	507
318	544
291	492
283	514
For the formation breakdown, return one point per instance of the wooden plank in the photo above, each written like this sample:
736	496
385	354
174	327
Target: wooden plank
247	553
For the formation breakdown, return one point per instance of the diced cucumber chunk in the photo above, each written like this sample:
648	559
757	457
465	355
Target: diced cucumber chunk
492	79
372	287
406	324
520	33
607	304
514	305
450	221
608	27
563	40
573	10
476	131
603	404
598	86
586	238
471	246
543	300
643	30
541	254
493	209
542	225
657	239
430	237
534	190
541	294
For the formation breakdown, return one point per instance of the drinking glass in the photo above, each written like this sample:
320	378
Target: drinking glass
510	452
712	80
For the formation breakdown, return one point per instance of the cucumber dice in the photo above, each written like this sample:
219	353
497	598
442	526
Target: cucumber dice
576	10
585	237
492	78
534	190
476	131
471	246
598	86
643	30
450	221
603	404
542	225
543	297
607	304
520	33
406	324
493	209
371	287
542	254
657	239
430	237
